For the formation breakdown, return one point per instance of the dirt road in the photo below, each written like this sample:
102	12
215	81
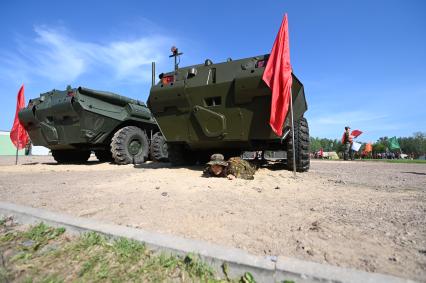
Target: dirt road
364	215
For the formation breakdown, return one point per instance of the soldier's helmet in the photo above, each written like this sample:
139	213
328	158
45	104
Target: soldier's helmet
347	127
217	159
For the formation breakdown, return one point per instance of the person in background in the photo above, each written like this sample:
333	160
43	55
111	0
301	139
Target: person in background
28	147
347	140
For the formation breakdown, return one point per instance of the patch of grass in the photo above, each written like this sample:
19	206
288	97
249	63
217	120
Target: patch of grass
103	271
22	248
41	234
130	250
8	236
24	256
196	268
408	161
28	280
248	278
88	265
51	279
91	239
3	274
95	258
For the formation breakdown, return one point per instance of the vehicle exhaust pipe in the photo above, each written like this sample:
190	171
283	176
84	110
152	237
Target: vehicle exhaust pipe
153	74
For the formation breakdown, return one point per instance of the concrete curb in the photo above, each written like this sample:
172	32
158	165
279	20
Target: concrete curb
238	261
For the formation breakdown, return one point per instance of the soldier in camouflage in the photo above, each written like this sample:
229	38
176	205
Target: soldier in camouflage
235	167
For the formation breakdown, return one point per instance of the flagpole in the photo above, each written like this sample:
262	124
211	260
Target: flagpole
292	132
17	148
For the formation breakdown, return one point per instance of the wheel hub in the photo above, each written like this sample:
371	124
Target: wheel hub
135	147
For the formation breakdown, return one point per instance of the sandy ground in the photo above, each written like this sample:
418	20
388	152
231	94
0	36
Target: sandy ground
365	215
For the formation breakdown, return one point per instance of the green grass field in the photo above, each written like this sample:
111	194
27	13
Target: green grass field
44	254
407	161
415	161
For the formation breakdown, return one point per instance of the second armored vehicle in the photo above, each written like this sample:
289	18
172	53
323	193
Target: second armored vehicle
225	107
75	122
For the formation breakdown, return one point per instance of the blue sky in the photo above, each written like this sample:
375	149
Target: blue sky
363	63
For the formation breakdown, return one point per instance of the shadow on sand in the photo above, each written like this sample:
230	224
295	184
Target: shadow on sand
415	173
166	165
95	162
275	166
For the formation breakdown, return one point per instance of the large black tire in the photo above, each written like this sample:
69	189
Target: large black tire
179	156
301	141
129	145
158	148
104	155
71	156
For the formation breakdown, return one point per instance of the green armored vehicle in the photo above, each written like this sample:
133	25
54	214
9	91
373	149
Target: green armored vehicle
225	108
77	121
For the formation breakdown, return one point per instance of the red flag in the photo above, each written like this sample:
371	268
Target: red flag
356	133
18	135
277	76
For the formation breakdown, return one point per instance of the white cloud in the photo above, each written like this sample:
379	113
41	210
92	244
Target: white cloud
58	57
130	59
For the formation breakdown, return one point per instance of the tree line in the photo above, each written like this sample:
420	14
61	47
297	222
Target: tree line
415	144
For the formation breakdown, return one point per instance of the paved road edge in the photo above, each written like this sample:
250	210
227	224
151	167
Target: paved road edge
238	261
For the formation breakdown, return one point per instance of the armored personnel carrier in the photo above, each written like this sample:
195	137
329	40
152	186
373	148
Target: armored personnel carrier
225	107
76	121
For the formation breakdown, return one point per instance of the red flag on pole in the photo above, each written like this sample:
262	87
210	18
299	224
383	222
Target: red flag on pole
18	135
356	133
277	76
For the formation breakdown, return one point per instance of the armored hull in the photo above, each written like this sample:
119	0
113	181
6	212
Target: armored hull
222	107
82	120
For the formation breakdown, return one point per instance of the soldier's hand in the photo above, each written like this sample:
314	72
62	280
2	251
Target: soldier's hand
230	177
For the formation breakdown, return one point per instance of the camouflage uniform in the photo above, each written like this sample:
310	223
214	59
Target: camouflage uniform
348	145
235	166
241	168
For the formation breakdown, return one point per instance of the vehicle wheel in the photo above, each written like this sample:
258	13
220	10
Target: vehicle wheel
159	148
104	155
71	156
129	145
301	140
179	156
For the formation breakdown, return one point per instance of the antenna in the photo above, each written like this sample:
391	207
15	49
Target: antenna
175	54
